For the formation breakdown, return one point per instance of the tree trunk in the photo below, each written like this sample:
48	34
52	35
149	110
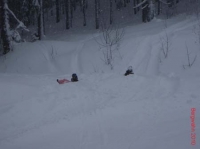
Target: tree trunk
134	5
74	4
158	7
97	13
40	20
67	13
57	11
81	5
31	14
84	16
43	21
145	12
124	3
111	12
137	2
51	7
4	24
71	13
63	7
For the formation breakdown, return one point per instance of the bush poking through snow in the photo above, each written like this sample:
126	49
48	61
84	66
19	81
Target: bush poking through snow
165	41
189	61
109	42
165	44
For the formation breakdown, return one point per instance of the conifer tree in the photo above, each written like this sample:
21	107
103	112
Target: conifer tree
5	27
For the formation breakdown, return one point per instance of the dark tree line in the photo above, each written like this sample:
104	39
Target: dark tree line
4	24
37	12
27	11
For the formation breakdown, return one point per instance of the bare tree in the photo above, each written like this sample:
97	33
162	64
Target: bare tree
109	42
189	61
165	41
165	44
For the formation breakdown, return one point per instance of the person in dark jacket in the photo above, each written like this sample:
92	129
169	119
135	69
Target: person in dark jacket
129	71
74	78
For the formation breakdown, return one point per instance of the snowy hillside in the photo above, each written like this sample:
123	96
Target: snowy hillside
104	109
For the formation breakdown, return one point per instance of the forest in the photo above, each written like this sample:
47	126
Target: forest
20	18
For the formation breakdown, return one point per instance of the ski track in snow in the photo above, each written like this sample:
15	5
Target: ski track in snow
75	59
60	103
51	64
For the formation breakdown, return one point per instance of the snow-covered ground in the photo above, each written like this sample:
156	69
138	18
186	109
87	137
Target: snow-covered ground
104	110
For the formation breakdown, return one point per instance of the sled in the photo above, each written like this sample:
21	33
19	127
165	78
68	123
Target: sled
63	81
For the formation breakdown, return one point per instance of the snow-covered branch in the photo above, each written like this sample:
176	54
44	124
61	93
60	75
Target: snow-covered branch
36	3
138	5
21	24
145	6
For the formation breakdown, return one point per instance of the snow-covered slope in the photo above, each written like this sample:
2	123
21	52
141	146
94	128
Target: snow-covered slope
104	110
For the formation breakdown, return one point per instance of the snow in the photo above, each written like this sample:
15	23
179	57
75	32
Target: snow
104	110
